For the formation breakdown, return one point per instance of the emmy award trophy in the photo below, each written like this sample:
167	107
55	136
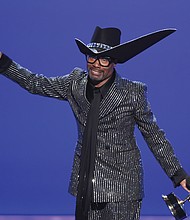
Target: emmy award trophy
176	205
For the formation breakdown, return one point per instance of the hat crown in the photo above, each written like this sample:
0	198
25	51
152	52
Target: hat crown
107	36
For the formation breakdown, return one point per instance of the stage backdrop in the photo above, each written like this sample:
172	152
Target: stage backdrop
37	134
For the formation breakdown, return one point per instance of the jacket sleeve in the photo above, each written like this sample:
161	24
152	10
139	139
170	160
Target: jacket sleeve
156	139
56	87
5	62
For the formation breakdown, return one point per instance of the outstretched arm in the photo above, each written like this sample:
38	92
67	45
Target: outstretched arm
56	87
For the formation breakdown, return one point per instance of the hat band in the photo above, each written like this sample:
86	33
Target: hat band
99	45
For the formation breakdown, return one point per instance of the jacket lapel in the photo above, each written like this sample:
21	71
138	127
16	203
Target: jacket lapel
79	92
114	97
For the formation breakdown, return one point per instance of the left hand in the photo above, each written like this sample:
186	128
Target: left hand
183	184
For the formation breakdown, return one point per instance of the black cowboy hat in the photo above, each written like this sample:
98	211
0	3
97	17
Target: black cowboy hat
106	42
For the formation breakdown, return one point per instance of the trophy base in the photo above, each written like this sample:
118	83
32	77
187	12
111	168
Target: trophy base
175	206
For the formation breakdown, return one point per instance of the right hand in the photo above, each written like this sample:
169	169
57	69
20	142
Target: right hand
185	184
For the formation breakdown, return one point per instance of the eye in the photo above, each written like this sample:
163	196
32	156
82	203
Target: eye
104	59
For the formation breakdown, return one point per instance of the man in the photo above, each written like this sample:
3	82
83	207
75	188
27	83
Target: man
107	176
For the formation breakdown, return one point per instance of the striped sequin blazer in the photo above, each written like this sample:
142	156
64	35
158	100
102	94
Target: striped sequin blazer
118	174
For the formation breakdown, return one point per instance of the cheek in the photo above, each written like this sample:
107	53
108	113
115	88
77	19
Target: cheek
88	66
109	71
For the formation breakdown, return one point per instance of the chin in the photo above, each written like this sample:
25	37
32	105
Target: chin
94	77
94	80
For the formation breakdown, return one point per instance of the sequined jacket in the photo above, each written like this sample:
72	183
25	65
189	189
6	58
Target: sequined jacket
118	174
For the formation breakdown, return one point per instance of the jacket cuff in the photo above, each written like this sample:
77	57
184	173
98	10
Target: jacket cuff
5	62
178	177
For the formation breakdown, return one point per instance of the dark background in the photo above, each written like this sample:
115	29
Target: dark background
37	134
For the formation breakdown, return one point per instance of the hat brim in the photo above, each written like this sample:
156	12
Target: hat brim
128	50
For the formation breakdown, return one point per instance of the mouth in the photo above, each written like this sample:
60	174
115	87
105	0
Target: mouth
95	72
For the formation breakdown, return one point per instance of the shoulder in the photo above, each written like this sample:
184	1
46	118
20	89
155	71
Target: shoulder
79	71
136	92
78	74
131	85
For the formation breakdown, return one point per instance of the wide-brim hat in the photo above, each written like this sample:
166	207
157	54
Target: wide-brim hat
106	42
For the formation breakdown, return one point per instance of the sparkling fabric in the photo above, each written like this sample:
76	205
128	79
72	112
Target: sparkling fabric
99	45
115	211
118	174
